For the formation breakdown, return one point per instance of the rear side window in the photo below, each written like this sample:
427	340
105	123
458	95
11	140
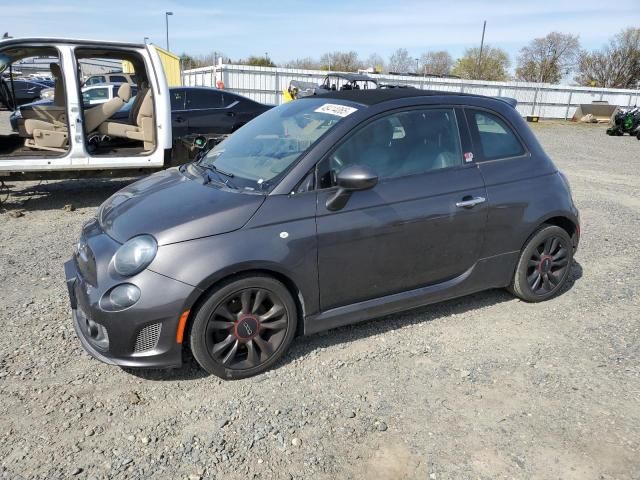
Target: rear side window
204	98
495	137
96	94
96	80
229	99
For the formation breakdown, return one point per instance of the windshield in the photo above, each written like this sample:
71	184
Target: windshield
257	154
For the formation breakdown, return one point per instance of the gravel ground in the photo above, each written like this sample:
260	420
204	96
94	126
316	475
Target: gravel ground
481	387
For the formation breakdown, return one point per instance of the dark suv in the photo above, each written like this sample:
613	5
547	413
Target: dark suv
321	212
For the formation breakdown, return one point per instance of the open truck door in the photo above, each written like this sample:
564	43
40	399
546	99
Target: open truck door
62	137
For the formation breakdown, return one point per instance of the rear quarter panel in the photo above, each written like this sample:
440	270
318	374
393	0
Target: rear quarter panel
523	192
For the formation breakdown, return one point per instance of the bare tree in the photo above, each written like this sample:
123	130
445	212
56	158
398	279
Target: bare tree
400	61
340	61
436	63
549	58
617	65
376	62
306	63
196	61
492	65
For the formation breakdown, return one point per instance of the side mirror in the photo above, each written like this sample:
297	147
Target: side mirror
349	180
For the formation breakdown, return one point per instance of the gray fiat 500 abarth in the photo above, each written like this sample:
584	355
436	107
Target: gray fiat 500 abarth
322	212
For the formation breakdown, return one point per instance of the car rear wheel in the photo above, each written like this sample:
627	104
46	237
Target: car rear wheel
244	327
544	265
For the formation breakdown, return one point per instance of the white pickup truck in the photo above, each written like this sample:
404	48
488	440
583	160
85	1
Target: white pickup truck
67	139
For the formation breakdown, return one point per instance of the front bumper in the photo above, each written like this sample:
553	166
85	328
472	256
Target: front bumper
143	335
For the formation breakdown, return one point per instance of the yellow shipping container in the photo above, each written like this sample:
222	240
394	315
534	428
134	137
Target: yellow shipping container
170	64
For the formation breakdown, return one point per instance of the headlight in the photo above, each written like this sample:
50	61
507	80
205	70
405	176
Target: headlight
120	297
46	94
135	255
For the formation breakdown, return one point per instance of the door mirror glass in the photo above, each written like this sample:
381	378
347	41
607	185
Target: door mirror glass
351	179
357	177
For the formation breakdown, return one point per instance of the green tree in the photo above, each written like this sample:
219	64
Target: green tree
492	65
258	61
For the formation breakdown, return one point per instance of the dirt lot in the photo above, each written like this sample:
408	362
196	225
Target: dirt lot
480	387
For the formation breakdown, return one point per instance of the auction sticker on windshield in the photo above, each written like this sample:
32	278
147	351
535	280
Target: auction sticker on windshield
335	109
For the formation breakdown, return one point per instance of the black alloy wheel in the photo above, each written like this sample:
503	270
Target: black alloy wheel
244	327
544	264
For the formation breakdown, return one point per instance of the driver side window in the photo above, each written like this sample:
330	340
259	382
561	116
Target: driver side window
404	143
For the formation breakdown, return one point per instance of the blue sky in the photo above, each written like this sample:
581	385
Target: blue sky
292	29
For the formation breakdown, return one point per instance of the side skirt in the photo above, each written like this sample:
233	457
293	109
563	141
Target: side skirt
492	272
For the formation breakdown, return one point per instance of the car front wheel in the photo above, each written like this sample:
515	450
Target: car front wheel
544	265
244	327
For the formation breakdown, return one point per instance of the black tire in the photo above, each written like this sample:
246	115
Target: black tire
238	332
544	265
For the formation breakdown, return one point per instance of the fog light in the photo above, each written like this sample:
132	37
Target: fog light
120	297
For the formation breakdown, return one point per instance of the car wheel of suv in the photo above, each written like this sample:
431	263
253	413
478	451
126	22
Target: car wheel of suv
244	327
544	264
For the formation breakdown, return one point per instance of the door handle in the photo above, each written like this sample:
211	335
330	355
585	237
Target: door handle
470	202
231	114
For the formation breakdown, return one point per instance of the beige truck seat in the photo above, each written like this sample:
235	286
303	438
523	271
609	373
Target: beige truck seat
59	98
143	130
55	113
54	135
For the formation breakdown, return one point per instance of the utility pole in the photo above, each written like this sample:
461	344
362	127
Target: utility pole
484	26
166	17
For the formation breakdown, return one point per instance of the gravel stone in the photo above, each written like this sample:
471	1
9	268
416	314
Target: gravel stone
552	388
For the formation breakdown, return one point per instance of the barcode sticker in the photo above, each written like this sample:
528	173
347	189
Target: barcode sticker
335	109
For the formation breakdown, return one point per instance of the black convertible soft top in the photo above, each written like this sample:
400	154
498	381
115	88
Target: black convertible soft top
379	95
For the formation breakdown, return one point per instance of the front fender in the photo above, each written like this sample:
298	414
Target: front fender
287	248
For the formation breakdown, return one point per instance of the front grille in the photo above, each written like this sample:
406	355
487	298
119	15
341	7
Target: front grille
147	338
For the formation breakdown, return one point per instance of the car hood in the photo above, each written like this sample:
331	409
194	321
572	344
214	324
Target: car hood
174	208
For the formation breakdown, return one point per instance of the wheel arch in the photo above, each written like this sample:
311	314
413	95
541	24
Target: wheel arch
566	221
212	284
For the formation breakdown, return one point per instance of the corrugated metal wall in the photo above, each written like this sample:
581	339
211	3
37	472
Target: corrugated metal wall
266	84
170	65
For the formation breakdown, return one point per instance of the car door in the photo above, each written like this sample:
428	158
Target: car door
179	123
422	224
24	91
206	113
